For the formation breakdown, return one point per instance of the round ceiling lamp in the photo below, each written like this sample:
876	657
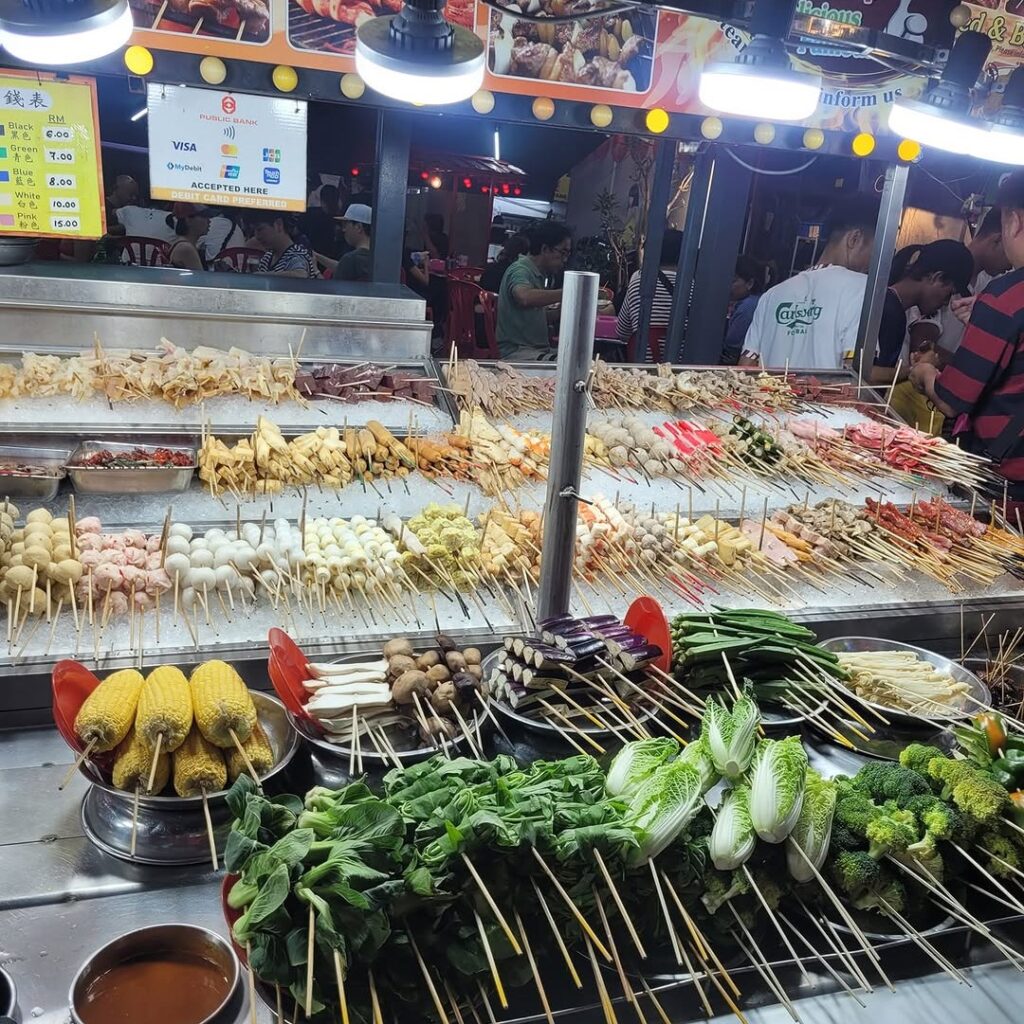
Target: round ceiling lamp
761	81
59	32
941	117
419	56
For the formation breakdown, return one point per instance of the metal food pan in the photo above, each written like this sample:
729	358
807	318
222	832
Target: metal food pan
42	486
143	480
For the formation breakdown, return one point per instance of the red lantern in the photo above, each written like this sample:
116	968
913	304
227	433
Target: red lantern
517	191
483	188
506	188
355	172
467	182
424	175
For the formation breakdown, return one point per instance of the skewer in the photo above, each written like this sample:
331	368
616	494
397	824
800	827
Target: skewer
438	1005
310	937
135	822
631	928
576	912
824	963
533	967
602	991
82	757
627	991
499	916
339	977
676	948
559	941
762	966
153	766
251	978
209	832
489	954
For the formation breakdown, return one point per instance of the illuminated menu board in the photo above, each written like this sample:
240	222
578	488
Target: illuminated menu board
51	180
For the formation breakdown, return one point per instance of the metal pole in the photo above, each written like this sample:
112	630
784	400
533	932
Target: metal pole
657	207
716	263
886	228
693	226
394	132
568	430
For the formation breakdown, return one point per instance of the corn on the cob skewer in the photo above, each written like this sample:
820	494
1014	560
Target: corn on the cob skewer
132	766
255	755
107	714
199	767
223	707
165	709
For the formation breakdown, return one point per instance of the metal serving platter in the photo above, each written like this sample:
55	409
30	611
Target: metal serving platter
977	697
42	486
139	480
172	829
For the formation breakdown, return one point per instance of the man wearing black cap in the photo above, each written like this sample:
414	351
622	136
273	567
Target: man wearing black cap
983	385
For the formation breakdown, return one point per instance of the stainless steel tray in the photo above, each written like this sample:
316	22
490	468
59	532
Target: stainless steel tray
976	699
43	486
143	480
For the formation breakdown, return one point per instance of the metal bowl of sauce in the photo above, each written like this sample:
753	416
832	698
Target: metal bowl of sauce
179	972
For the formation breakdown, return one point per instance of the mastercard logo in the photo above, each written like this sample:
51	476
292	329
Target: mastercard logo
228	150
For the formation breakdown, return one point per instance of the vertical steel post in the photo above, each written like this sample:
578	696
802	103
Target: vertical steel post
724	218
394	133
657	208
568	427
889	213
693	226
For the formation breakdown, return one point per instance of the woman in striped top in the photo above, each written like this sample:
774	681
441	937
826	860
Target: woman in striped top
664	288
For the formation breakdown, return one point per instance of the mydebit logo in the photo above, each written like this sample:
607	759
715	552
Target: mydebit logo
797	317
229	170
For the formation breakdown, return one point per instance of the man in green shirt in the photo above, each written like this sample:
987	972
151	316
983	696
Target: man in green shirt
523	299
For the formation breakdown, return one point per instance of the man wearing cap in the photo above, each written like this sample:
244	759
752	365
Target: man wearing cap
355	226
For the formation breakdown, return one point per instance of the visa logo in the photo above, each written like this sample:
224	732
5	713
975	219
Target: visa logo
229	170
271	156
228	150
271	176
184	147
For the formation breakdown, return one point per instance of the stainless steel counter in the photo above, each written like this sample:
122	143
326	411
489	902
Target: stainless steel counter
66	305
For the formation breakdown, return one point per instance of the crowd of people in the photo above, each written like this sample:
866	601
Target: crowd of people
325	241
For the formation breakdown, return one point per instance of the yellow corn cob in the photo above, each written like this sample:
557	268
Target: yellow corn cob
108	712
259	751
165	709
132	763
222	704
198	767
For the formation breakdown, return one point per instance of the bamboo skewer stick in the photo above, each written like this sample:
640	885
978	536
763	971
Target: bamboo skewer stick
533	967
559	941
489	953
574	910
499	916
431	988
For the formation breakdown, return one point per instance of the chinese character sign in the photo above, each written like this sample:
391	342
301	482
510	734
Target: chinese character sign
51	182
227	149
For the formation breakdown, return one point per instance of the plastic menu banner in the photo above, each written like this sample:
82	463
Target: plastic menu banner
51	182
640	57
227	148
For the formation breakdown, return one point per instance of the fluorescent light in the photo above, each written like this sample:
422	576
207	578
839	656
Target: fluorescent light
497	144
749	91
1004	146
139	114
926	124
65	40
418	57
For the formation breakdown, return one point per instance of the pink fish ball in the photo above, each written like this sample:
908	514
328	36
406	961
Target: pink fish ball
135	556
90	524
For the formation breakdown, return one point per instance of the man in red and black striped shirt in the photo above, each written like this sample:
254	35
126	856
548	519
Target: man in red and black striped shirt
983	385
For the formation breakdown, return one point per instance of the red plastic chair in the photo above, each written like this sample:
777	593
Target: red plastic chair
241	259
463	298
489	302
655	344
466	274
143	252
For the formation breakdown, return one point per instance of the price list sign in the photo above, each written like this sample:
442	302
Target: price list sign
51	182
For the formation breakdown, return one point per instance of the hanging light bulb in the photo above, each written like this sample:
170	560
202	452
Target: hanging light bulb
417	55
1005	143
941	117
761	81
63	31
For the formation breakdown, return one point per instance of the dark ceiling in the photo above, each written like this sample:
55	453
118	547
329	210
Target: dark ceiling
343	135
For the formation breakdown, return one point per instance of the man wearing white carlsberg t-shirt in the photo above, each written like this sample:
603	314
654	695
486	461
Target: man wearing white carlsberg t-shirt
810	321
